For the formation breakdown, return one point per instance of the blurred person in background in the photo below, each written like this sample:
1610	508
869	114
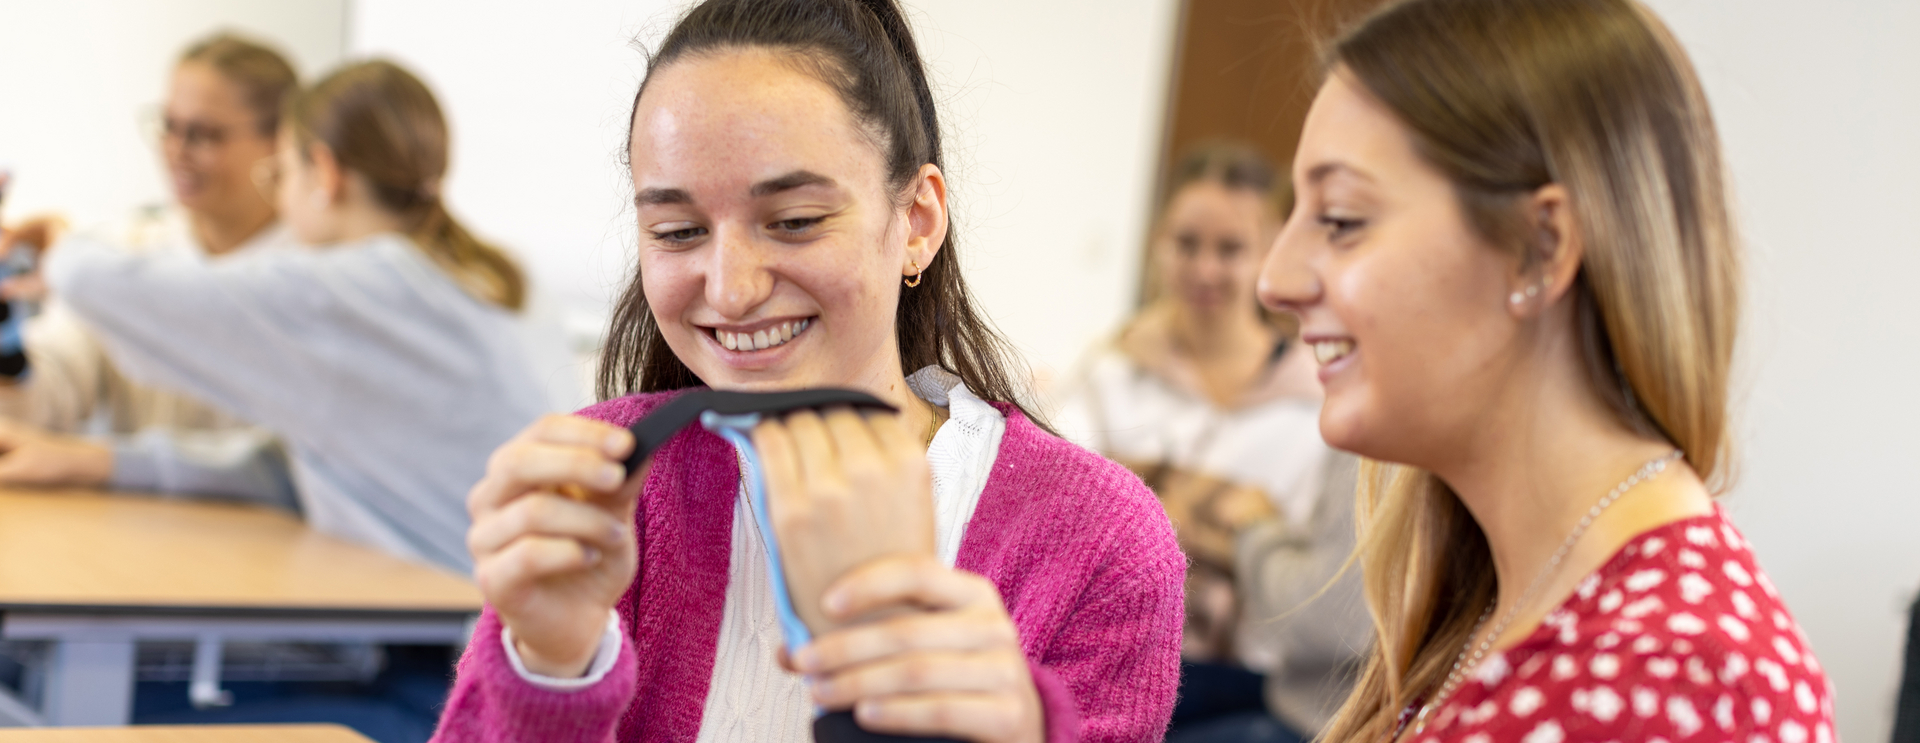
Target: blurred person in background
218	123
385	356
1213	403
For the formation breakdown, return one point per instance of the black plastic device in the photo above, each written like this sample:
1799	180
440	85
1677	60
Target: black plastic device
653	431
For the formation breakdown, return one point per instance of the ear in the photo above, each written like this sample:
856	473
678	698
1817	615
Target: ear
328	176
926	219
1555	251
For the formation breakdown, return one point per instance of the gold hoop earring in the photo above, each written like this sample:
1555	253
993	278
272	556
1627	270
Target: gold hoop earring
915	281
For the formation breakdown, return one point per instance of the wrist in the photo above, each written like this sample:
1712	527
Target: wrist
560	667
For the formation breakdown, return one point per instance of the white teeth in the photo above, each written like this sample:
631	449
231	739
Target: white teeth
1328	352
761	339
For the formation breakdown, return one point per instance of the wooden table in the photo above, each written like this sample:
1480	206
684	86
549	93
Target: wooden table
97	572
188	734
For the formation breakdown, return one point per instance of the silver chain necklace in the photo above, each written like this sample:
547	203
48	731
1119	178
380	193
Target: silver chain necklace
1470	655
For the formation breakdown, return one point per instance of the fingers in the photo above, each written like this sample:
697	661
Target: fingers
547	515
611	441
814	448
555	451
910	580
920	673
531	558
854	437
922	632
779	460
962	715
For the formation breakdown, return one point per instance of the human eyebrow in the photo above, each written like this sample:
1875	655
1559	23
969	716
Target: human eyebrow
790	181
1326	170
661	197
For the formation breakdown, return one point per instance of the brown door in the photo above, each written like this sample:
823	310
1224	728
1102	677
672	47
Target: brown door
1247	70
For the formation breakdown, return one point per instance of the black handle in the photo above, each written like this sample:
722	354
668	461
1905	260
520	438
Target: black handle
839	727
651	433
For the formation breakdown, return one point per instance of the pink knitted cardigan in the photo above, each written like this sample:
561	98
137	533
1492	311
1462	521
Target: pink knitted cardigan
1083	556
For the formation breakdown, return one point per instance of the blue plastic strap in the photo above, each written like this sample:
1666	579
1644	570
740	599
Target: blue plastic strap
735	429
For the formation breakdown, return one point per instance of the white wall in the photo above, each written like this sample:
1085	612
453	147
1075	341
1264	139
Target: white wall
1819	107
1053	125
1053	117
76	76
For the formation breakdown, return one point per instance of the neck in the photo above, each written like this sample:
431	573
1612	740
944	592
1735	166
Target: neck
917	416
1209	336
1544	457
358	220
224	231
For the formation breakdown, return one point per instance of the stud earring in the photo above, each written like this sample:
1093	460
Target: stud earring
1516	298
915	281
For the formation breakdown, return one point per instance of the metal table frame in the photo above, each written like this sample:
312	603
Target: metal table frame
90	674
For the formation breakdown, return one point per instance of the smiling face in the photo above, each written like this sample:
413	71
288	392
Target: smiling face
210	141
1209	247
1405	305
771	246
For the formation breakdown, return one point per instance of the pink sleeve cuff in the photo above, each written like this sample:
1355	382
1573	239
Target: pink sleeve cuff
1056	703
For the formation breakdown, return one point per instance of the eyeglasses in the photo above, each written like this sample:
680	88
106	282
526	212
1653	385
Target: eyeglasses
197	136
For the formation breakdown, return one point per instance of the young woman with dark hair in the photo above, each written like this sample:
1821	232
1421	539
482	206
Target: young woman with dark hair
966	573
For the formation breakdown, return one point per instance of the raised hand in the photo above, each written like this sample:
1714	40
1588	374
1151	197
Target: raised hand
842	488
552	537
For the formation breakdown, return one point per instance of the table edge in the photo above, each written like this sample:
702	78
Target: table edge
238	612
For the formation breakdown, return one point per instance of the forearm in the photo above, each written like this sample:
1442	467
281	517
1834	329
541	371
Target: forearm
240	464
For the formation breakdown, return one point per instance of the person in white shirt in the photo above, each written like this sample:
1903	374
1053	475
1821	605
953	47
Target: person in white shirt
1208	399
74	419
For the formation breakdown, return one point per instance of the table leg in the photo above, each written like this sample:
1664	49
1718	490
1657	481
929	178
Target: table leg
16	714
90	682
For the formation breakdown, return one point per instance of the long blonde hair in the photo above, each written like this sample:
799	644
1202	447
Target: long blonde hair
381	122
1504	97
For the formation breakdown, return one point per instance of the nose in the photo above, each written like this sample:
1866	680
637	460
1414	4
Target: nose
738	276
1288	280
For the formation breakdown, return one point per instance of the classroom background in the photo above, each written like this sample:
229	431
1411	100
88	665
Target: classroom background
1060	116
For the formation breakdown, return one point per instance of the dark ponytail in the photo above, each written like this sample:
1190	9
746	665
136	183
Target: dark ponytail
865	51
381	122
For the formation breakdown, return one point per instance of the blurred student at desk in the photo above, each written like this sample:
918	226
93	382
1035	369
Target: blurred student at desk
219	119
1214	405
385	353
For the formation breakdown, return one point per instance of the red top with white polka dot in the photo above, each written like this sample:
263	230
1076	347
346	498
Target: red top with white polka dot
1679	637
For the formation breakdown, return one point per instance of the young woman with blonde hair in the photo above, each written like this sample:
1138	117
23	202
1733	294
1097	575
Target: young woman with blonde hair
1212	401
1514	258
220	117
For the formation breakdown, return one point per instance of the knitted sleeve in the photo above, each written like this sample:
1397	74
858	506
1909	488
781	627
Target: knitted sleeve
1117	651
490	702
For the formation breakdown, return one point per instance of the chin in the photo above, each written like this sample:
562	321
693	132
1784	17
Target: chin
1344	427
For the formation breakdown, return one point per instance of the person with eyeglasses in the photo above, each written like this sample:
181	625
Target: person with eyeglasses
215	132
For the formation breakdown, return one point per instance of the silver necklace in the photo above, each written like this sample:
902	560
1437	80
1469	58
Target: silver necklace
1470	654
